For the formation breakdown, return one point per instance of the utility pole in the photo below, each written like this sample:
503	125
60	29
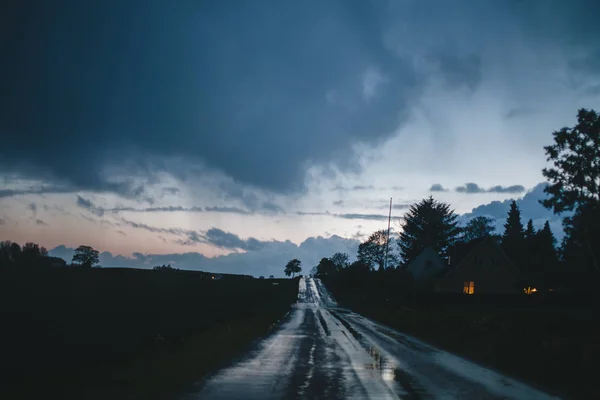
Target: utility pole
387	242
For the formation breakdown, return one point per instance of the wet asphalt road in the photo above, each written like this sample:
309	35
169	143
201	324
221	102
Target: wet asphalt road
322	351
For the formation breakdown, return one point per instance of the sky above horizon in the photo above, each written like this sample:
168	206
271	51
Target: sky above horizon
220	128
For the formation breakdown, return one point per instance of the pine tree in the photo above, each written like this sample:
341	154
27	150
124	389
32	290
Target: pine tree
529	231
545	258
428	224
513	240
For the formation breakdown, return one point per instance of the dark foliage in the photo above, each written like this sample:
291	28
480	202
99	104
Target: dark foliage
372	252
85	256
513	239
575	177
293	267
477	228
428	223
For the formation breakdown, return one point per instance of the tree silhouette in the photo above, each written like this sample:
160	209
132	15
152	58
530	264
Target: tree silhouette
293	267
31	250
575	181
581	229
372	251
575	177
326	267
85	256
529	231
340	260
513	239
428	223
478	227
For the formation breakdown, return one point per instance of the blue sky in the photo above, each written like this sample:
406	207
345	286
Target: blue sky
216	127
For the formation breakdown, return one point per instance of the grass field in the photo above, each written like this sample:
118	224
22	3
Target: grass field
125	333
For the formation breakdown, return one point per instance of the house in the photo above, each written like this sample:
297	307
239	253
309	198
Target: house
485	269
217	277
54	261
426	265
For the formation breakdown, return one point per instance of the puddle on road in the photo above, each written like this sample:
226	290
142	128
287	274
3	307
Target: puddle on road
402	383
394	376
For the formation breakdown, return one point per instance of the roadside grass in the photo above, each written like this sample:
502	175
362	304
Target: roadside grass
553	349
127	334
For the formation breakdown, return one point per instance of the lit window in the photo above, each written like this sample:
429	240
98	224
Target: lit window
469	287
529	290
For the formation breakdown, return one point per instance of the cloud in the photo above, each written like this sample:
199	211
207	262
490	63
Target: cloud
230	210
172	231
519	112
189	108
269	259
35	190
470	188
353	188
530	209
507	189
436	187
213	236
372	217
88	205
228	240
338	203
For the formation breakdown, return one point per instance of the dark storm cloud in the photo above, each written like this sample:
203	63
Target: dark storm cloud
470	188
233	86
255	90
436	187
458	71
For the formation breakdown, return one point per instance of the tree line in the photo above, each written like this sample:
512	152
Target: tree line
573	191
32	254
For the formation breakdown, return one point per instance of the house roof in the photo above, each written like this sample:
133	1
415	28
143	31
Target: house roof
420	271
486	241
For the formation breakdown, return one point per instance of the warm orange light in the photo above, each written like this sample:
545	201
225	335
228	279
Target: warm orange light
469	287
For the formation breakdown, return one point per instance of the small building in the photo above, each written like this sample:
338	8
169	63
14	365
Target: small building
217	277
426	265
484	270
54	261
